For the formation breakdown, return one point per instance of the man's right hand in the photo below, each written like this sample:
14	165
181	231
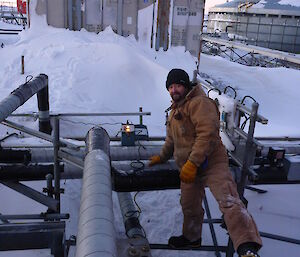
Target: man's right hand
154	160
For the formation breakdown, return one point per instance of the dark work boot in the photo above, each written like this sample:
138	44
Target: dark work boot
249	249
183	242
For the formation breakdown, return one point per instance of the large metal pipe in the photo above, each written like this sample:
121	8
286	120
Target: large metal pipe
130	216
117	153
96	234
39	171
20	95
29	172
123	153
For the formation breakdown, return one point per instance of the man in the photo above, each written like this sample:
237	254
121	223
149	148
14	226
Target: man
193	139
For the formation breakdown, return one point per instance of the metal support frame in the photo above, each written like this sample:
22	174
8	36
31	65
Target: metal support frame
41	135
57	190
33	236
248	158
48	234
248	58
51	203
42	216
275	58
211	226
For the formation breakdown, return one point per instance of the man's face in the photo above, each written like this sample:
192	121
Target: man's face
177	92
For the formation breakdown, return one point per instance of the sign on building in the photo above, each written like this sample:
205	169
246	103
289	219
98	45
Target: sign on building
187	23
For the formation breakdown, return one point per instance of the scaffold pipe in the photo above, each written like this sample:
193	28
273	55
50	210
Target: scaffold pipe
20	95
96	234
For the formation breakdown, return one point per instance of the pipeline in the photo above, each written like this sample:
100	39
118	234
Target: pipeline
21	172
14	156
20	95
130	216
96	234
145	180
117	153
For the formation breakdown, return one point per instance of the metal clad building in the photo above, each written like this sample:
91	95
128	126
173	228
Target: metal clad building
122	16
187	23
93	15
58	10
264	23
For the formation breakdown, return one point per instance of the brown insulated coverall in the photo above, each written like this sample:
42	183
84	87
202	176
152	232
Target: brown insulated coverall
193	134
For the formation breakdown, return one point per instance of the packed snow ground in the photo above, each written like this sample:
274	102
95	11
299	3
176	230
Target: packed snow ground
109	73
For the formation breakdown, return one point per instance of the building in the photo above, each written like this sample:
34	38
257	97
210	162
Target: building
267	23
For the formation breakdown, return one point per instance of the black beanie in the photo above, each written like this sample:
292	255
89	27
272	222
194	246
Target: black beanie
178	76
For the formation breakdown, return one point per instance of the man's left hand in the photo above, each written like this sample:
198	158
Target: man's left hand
188	172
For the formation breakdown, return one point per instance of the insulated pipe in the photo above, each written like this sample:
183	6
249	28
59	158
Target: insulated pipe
146	180
117	153
130	215
96	234
43	104
29	172
39	171
14	156
123	153
20	95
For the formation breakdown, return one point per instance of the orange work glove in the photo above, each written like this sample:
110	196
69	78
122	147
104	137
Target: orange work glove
154	160
188	172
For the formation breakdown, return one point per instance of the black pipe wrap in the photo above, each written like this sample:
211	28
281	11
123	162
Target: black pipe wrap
14	156
97	139
43	104
26	172
132	222
43	99
45	126
28	89
145	180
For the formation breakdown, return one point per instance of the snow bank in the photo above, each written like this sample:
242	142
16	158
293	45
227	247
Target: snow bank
108	73
295	3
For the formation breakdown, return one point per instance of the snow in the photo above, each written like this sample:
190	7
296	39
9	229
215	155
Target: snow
9	39
108	73
290	2
260	4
